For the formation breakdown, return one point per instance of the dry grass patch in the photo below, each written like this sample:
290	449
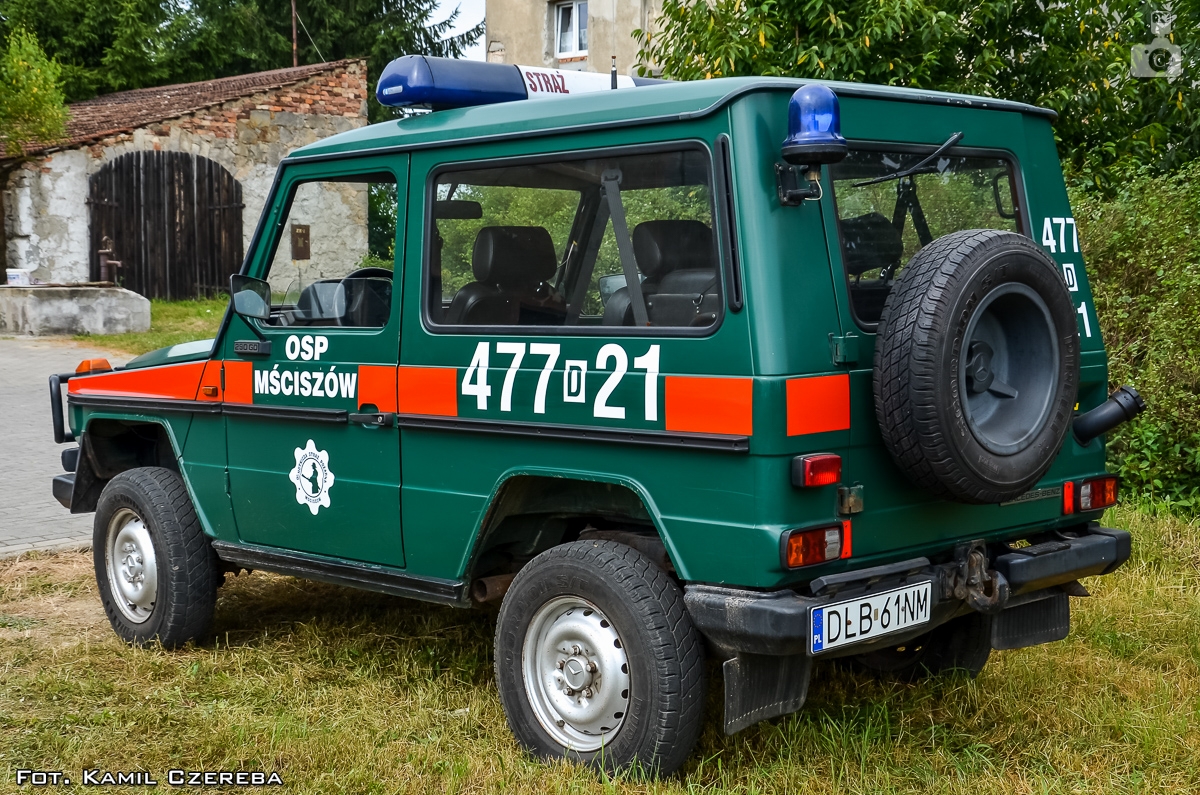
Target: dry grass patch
345	691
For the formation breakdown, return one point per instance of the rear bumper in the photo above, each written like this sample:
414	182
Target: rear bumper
777	622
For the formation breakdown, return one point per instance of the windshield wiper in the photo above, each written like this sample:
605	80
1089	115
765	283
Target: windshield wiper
908	172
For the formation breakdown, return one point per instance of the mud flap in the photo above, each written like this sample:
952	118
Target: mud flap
760	686
1043	621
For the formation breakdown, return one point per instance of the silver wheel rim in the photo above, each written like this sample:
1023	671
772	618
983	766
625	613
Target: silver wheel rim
132	567
576	674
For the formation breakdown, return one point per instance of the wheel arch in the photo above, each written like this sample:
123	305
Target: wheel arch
525	499
111	444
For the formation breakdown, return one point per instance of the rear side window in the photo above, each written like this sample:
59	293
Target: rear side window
559	243
884	224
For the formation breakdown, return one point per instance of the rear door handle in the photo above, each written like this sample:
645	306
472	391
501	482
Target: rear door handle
377	419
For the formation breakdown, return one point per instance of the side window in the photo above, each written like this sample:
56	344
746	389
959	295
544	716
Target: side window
610	241
335	254
885	223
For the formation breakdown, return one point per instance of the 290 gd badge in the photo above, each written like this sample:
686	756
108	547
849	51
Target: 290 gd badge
312	477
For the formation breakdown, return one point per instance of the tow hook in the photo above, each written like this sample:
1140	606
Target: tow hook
984	589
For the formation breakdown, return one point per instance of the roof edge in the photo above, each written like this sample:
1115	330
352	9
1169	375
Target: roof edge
90	138
862	90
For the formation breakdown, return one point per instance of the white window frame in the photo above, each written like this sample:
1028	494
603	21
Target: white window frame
575	6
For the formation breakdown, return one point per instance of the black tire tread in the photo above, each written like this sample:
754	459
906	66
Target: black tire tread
906	361
676	645
194	575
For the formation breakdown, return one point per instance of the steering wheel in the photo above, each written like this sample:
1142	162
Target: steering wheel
370	273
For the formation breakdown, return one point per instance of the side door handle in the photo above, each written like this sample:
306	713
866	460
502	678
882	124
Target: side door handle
377	419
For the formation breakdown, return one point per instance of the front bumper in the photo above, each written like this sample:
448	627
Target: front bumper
777	622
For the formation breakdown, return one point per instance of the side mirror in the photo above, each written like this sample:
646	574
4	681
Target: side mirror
251	297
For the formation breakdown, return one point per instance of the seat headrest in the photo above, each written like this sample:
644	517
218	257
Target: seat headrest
513	256
662	246
871	243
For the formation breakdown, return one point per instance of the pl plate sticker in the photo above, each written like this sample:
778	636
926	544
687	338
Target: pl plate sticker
312	477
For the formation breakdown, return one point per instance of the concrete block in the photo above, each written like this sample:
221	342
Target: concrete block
72	310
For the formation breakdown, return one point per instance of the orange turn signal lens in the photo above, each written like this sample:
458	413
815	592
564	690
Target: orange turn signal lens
821	469
818	545
1098	493
93	366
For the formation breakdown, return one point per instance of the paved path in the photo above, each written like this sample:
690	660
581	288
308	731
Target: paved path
30	517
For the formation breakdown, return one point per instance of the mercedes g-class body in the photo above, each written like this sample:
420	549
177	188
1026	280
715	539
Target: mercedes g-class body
762	369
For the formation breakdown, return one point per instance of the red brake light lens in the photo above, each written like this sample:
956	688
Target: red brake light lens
822	469
818	545
1069	497
1098	493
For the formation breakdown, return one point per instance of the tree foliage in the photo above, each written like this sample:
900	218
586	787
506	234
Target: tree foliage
31	100
1073	56
113	45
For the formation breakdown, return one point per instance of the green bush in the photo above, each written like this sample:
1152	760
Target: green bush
1142	249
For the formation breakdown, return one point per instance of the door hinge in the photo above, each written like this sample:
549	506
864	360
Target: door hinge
228	489
843	349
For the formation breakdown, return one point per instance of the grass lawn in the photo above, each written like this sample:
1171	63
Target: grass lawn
344	691
171	322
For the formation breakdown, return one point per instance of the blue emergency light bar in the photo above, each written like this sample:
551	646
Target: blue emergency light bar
419	80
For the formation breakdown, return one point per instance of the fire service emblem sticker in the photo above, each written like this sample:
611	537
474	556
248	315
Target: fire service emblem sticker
312	477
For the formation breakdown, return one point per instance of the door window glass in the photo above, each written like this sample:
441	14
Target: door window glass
334	254
556	243
884	224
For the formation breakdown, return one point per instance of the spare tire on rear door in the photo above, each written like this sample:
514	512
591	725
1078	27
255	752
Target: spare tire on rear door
977	366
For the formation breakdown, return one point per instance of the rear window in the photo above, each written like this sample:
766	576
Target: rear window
882	225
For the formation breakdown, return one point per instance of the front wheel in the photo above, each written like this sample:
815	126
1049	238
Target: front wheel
155	568
597	661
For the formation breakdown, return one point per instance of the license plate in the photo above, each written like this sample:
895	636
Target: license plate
869	617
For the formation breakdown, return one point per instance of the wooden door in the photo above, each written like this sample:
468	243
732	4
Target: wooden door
175	222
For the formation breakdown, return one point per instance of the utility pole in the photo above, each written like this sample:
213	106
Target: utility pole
295	57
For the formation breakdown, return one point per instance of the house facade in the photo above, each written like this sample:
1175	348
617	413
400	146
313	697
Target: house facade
568	34
168	181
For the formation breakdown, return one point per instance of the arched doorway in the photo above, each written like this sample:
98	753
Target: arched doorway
174	219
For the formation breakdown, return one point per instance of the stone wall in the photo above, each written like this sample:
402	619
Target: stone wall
45	208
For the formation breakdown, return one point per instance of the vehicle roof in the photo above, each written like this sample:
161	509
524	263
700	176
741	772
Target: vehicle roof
647	104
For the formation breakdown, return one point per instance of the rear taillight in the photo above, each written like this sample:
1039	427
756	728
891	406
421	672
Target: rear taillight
816	545
1090	495
820	469
1098	493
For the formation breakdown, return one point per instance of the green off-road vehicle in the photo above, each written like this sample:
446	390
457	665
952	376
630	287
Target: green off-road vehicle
669	371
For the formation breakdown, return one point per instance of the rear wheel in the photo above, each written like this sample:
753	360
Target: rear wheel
156	570
597	661
961	645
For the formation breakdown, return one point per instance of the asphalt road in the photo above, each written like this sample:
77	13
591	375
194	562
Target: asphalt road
30	517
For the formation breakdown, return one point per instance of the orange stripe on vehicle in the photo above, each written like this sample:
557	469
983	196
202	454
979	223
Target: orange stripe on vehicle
210	380
239	382
427	390
709	405
818	404
377	386
170	382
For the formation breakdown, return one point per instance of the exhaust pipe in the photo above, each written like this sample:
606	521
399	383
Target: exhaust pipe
1122	406
489	589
